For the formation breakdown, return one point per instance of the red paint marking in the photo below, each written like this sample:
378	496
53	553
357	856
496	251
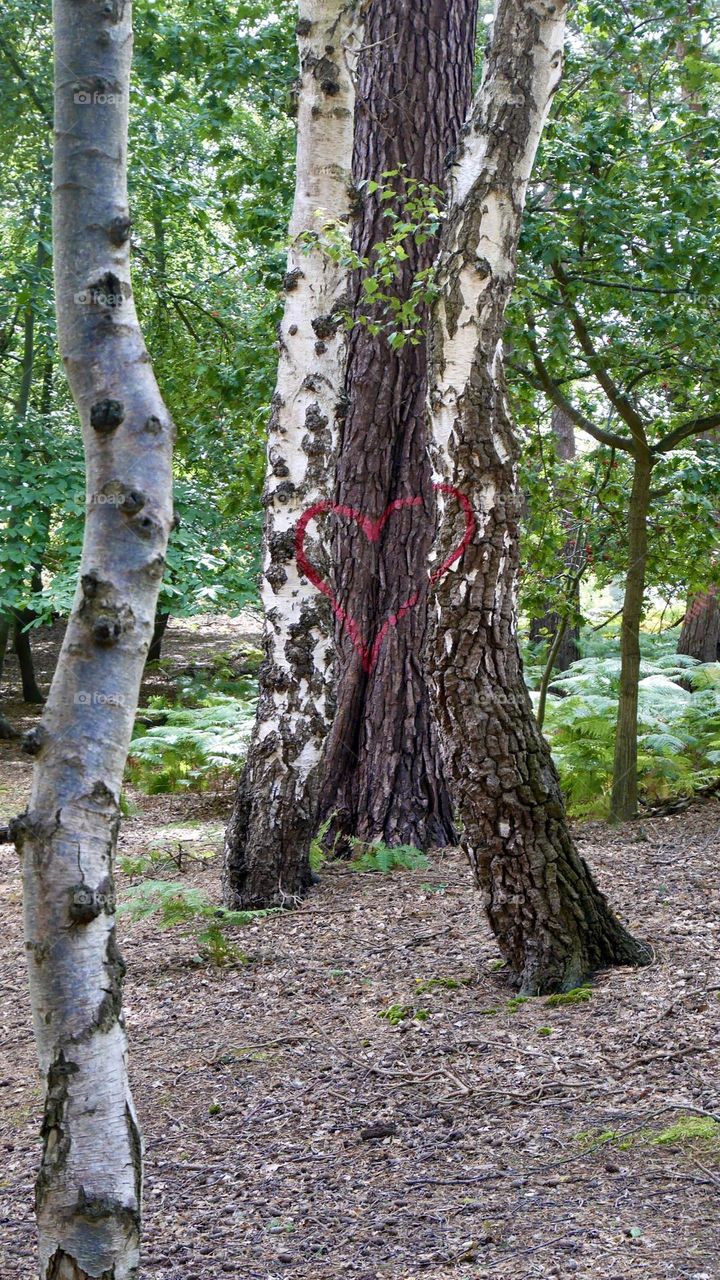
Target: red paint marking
369	653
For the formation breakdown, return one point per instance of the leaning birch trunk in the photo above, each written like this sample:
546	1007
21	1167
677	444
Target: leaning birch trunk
88	1193
266	858
552	923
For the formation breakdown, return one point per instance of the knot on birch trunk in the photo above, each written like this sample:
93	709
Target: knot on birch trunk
106	415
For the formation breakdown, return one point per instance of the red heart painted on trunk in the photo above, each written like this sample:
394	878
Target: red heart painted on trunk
368	653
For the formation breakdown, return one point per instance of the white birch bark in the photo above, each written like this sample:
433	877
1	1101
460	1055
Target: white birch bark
88	1195
267	839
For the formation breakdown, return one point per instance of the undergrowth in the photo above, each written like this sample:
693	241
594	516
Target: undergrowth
678	721
195	739
377	856
172	903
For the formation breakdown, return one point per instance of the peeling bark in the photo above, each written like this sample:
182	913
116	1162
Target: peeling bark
88	1191
383	777
552	923
268	838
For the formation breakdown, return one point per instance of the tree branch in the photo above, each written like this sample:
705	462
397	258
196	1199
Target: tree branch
24	79
618	400
551	389
695	427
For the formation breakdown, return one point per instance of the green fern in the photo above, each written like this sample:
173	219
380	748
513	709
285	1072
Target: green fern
678	727
382	858
176	903
193	747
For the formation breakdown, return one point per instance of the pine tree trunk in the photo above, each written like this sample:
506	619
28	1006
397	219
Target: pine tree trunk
383	777
624	800
273	820
552	923
88	1193
700	635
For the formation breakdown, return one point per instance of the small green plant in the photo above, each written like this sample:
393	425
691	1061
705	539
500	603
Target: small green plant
544	1031
397	1013
218	949
318	856
433	984
376	857
174	903
516	1002
577	996
689	1129
156	859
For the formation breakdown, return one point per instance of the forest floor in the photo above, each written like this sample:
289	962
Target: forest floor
293	1132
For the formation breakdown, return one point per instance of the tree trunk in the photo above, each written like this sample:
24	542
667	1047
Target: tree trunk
89	1187
382	775
158	635
623	804
546	630
5	625
7	732
700	635
552	923
268	838
23	652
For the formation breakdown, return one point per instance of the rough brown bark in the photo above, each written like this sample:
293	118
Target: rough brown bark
700	635
624	798
552	923
383	778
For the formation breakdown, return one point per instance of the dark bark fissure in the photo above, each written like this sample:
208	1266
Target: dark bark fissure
382	772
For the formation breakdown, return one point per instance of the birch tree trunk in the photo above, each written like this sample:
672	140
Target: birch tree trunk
88	1192
383	778
552	923
273	820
